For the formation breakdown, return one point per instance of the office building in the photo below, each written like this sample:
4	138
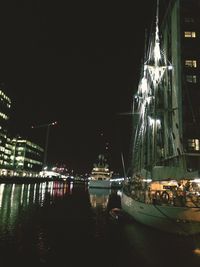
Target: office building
180	34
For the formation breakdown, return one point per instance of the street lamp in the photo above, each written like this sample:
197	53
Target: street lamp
47	138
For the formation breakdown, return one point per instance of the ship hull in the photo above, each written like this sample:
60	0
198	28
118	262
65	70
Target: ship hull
177	220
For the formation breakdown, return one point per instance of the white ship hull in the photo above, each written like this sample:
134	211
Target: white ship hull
178	220
100	183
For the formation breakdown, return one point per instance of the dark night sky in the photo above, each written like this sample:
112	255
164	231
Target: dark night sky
77	63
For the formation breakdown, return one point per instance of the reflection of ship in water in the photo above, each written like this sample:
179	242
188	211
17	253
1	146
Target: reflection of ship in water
99	200
99	197
105	200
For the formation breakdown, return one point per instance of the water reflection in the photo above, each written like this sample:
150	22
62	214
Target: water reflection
15	199
151	247
40	223
105	199
137	244
99	197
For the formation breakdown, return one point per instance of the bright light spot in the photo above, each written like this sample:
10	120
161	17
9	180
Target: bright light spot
156	73
147	180
157	122
197	180
197	251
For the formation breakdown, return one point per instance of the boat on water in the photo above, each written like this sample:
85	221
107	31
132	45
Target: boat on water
100	174
161	191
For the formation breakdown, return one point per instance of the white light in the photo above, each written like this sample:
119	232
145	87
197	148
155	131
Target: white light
197	180
154	121
151	121
156	73
147	180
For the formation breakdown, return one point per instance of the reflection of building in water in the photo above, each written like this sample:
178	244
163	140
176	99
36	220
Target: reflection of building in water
16	199
99	197
9	206
61	189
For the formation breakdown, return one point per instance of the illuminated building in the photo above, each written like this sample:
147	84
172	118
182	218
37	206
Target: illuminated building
181	38
26	156
5	149
17	156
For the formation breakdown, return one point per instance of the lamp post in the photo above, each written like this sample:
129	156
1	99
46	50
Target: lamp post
46	139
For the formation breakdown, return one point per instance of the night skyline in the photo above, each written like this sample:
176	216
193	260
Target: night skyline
78	65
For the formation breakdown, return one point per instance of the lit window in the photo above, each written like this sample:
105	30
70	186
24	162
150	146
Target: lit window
190	63
190	34
191	78
193	144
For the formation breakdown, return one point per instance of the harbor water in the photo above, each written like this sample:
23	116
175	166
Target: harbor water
66	224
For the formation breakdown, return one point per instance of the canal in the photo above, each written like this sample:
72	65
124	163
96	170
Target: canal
65	224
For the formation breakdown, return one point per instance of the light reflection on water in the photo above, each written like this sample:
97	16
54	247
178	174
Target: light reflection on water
40	223
143	246
18	199
155	247
99	197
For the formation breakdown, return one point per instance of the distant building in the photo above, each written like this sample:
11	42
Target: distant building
26	156
5	105
181	38
8	153
17	156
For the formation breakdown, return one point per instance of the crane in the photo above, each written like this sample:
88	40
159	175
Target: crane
47	125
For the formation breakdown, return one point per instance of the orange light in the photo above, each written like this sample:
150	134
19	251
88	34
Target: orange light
197	251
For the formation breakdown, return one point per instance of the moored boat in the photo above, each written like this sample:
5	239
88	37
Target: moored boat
161	192
100	174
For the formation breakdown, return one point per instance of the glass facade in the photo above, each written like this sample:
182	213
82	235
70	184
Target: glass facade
5	152
17	156
26	156
180	31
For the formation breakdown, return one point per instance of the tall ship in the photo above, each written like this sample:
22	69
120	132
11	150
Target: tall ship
163	188
100	174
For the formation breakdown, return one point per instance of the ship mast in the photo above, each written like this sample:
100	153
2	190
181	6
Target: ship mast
156	115
147	96
156	65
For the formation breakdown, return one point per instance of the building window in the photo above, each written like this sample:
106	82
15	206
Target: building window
189	20
193	144
190	63
191	78
190	34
